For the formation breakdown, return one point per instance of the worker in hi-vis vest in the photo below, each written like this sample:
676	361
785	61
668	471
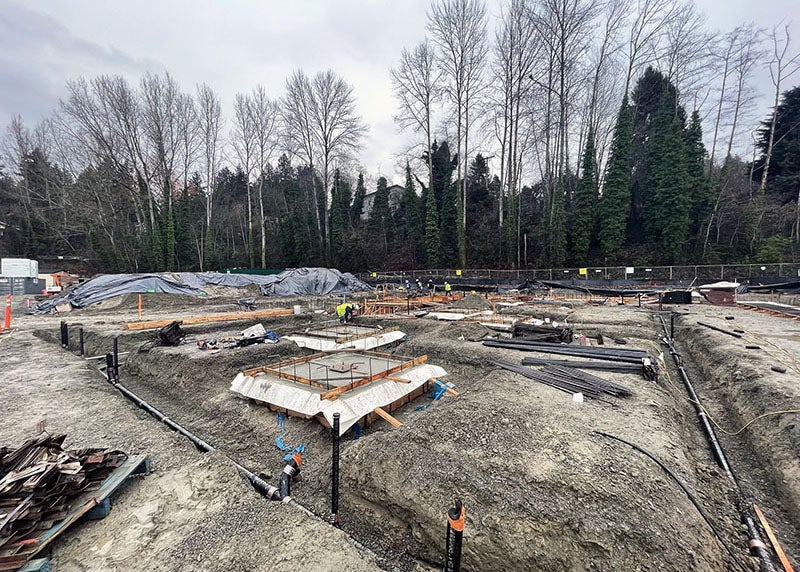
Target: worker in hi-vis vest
345	312
448	290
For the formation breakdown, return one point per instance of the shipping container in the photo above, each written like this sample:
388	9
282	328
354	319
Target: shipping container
19	268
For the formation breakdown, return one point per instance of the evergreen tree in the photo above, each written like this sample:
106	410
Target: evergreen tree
583	218
446	193
699	186
339	219
358	201
483	238
409	231
668	181
784	165
433	244
381	223
616	191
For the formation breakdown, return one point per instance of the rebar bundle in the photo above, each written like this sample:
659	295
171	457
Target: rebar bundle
569	380
624	355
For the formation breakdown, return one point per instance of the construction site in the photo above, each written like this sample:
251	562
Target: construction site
147	426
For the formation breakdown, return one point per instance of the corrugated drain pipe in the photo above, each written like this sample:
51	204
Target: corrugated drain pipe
756	545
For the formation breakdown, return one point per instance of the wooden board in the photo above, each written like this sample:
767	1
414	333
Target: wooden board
135	464
389	419
230	317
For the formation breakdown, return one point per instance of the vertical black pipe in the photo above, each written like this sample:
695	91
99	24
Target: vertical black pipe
660	301
63	342
80	341
455	533
672	325
116	358
335	471
66	336
110	368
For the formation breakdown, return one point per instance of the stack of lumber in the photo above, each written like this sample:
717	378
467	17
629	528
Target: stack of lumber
39	483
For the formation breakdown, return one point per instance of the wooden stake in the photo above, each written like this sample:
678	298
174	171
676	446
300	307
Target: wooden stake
775	544
389	419
140	307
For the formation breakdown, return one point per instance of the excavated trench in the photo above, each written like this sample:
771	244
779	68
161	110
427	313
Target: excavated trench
542	491
737	386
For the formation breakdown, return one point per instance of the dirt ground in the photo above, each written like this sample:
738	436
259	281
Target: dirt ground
542	490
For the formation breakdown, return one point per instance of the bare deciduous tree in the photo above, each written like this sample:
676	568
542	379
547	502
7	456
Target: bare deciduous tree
210	123
322	127
265	116
416	86
243	139
459	29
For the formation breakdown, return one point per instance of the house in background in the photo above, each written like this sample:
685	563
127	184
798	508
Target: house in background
395	198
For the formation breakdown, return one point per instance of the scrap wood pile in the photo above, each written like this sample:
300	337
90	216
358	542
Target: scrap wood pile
569	380
39	482
254	335
639	359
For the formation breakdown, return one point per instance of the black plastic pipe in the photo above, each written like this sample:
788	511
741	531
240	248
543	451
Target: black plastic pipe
116	358
454	539
756	545
290	474
335	470
258	483
80	342
110	368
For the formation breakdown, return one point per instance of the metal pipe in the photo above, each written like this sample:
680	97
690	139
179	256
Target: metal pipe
756	545
672	325
80	341
335	471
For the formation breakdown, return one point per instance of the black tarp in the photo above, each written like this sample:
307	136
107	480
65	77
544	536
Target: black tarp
295	282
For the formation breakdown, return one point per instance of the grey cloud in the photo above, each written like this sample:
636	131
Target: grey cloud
39	54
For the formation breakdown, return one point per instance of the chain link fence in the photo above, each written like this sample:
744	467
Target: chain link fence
699	273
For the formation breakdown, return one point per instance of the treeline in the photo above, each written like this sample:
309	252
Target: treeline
581	132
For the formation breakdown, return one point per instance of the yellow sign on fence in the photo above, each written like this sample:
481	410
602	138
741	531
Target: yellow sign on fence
582	271
458	272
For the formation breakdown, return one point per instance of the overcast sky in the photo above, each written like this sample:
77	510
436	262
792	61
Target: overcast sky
234	45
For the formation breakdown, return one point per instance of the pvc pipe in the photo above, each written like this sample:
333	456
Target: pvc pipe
80	341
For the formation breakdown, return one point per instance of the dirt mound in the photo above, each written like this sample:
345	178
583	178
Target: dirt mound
472	302
541	491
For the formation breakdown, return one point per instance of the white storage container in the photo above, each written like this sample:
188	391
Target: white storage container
19	268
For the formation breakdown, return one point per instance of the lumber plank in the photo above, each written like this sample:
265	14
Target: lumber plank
773	539
229	317
389	419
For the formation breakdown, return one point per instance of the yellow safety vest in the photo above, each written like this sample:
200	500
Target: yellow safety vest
447	287
341	309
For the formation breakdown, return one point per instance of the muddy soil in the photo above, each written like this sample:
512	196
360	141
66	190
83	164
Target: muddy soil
193	512
542	491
